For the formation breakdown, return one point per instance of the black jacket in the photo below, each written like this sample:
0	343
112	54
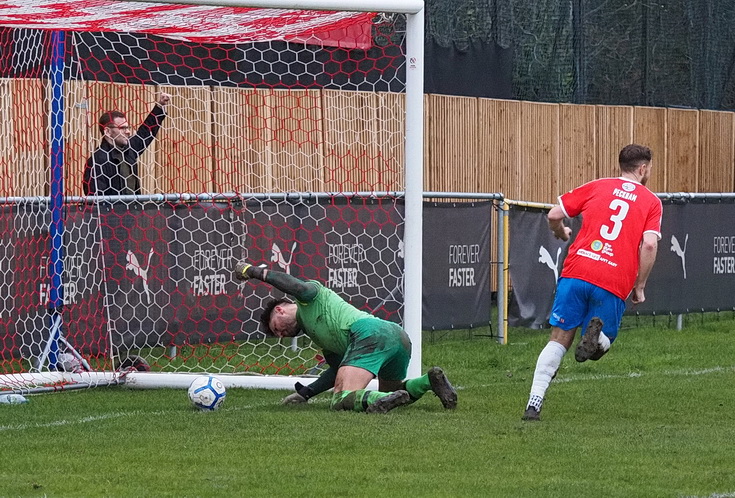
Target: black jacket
102	172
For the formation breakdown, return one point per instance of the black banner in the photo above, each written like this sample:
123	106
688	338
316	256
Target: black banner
535	263
160	274
24	251
694	269
456	265
355	247
482	69
695	264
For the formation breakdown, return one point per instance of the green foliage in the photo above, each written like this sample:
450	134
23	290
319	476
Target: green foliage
655	417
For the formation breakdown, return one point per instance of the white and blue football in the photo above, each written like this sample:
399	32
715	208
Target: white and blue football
207	392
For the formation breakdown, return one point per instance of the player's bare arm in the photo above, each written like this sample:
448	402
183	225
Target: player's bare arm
556	223
301	290
646	259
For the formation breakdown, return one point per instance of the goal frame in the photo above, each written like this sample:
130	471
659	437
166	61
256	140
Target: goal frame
413	202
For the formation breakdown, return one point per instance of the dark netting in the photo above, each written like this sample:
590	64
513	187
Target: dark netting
634	52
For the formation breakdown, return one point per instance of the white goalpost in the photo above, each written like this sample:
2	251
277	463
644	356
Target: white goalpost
285	133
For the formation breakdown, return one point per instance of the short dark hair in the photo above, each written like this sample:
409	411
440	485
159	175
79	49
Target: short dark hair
265	316
107	117
633	156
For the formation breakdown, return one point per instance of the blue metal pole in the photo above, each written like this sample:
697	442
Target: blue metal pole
56	230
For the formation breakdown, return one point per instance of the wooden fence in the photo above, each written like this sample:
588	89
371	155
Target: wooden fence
225	139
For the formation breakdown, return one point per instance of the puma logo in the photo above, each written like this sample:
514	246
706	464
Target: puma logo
134	266
545	257
676	248
278	257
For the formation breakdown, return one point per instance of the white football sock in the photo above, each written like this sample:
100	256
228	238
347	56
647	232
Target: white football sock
604	342
548	363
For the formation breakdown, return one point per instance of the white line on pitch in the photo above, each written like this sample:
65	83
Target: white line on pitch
632	375
715	495
99	418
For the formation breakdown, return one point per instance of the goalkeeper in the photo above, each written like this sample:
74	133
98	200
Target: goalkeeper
357	346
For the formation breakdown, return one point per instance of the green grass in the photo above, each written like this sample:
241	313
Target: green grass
655	417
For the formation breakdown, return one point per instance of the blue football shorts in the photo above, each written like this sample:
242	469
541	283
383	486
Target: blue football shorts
577	301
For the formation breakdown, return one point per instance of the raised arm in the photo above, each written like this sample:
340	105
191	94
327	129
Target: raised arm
301	290
149	129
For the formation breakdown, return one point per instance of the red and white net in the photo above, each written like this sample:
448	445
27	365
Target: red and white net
279	125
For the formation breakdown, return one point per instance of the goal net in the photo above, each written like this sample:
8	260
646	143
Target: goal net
148	147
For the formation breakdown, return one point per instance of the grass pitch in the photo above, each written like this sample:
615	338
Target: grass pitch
655	417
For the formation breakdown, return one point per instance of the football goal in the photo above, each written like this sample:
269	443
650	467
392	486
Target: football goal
148	146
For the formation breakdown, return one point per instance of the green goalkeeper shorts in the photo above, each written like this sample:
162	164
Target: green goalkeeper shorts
380	347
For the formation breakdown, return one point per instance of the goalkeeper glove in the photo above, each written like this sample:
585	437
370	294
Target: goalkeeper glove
293	399
302	395
246	271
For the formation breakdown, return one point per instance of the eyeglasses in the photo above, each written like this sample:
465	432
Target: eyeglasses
123	128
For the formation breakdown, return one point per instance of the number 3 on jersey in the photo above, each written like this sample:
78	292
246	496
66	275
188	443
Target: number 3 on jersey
621	211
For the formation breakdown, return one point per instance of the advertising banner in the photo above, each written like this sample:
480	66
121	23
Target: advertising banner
694	269
456	265
695	264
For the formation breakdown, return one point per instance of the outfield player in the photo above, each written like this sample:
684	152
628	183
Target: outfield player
357	346
612	255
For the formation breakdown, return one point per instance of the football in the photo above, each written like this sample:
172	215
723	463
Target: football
207	392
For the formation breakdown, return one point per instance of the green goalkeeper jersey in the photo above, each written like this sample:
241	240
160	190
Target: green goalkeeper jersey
327	319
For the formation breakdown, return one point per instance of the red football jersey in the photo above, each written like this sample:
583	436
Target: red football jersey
616	212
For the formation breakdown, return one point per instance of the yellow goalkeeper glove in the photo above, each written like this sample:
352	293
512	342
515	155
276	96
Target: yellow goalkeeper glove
242	273
241	270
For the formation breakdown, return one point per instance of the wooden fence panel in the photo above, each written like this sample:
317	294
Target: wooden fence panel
24	163
241	163
80	137
183	156
614	131
295	124
354	143
499	149
453	163
716	154
682	168
649	128
539	165
9	155
577	146
391	141
247	140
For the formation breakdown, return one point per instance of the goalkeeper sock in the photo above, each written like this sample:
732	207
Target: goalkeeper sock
356	401
418	387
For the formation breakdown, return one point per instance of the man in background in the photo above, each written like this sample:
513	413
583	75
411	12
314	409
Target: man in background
113	168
